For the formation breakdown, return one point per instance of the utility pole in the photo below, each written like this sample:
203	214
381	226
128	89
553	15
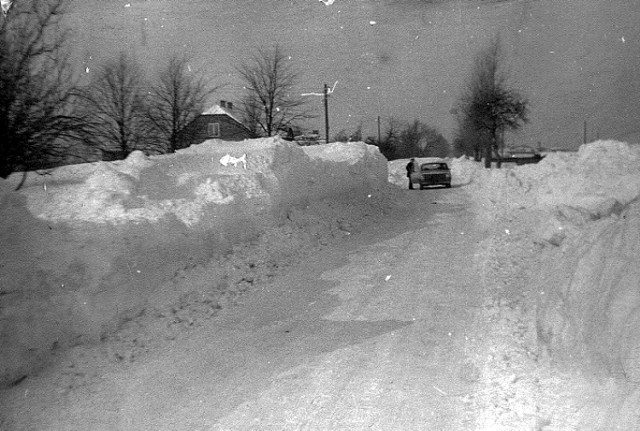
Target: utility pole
378	129
327	91
326	112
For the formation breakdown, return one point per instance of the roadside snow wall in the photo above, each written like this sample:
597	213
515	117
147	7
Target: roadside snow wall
588	205
87	245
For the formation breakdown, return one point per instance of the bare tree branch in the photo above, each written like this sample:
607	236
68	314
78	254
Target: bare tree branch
420	140
488	106
38	118
115	106
271	101
177	97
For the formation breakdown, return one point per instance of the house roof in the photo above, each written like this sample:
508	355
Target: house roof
219	110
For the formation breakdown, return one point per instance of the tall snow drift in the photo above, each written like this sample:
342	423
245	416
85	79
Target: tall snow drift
589	181
87	244
589	210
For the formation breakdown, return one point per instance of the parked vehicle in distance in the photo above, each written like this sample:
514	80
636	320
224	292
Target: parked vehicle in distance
527	160
521	155
432	173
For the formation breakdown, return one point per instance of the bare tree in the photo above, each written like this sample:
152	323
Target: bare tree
37	117
115	105
490	107
344	136
356	135
271	101
416	139
419	140
469	141
177	98
341	136
388	144
250	112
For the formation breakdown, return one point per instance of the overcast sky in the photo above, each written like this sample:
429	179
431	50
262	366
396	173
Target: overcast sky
575	60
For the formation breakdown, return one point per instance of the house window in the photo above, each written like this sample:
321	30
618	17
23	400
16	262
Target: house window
213	130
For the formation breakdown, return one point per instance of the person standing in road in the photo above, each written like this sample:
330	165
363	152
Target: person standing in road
410	168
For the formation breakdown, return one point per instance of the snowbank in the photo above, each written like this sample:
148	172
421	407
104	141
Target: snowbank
589	181
589	307
588	284
597	180
89	244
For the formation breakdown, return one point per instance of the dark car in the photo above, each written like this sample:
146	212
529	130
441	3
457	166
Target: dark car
433	174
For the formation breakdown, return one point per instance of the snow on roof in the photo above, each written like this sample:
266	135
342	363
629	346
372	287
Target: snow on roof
219	110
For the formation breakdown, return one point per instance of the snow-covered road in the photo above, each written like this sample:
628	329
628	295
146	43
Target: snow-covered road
390	341
488	306
372	333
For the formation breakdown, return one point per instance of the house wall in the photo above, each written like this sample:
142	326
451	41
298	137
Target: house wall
232	131
196	132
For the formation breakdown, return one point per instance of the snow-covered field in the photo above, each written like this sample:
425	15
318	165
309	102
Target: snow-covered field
86	248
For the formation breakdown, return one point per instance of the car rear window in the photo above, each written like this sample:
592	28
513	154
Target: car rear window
433	166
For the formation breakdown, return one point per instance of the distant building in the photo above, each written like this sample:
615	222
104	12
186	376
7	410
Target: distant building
217	122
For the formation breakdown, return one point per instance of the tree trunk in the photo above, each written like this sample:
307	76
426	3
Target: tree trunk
487	154
499	143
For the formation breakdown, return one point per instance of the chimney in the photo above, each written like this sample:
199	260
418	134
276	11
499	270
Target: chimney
223	104
229	105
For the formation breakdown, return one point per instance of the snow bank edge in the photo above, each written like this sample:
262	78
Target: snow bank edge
91	244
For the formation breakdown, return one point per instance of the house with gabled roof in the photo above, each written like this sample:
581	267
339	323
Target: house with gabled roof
218	122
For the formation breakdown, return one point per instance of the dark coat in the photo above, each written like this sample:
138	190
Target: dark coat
410	168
